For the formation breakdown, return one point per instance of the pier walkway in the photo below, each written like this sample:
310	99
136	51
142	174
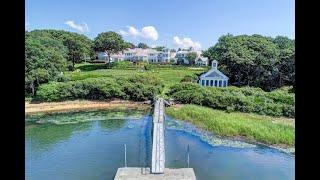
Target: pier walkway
157	170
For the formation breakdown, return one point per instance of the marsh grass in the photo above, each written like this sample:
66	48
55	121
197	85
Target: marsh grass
264	129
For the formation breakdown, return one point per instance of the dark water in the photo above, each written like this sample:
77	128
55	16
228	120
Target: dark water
93	149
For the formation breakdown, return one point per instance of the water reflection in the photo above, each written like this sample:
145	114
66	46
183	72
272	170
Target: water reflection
42	137
112	124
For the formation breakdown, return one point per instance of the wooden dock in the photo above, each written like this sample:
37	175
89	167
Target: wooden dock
157	170
158	151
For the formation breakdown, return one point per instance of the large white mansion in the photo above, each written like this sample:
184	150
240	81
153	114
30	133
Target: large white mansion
154	56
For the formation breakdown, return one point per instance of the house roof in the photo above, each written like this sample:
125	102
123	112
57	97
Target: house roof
202	59
141	52
214	73
117	56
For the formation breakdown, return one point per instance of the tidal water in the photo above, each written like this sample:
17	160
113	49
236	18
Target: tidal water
90	145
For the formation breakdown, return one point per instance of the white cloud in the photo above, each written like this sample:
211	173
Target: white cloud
133	31
83	27
185	42
148	32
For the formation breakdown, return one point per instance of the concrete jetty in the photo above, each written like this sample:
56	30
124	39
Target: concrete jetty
138	173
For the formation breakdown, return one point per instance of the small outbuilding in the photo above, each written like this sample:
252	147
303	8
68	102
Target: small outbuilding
214	77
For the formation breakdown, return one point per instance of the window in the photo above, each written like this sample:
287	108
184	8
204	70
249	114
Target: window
216	83
202	82
220	83
211	82
207	83
224	83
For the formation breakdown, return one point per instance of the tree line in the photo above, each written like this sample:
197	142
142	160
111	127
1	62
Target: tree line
256	60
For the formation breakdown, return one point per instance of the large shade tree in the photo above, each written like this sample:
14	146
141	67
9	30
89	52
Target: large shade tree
287	60
191	56
109	42
143	46
76	50
45	60
255	60
79	44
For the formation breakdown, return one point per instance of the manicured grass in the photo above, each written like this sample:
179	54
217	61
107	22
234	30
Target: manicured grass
170	76
268	130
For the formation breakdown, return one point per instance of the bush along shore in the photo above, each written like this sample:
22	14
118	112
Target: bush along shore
136	88
279	102
277	132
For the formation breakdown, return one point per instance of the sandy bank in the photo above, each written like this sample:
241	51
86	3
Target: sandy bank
50	107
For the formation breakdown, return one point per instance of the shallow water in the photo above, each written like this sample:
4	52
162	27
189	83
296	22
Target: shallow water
93	148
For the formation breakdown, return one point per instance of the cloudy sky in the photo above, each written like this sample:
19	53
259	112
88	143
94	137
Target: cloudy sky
172	23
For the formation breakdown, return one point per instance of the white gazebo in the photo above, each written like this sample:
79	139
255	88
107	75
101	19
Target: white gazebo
214	77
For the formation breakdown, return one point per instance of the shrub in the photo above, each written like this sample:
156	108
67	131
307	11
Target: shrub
190	78
275	103
141	87
137	88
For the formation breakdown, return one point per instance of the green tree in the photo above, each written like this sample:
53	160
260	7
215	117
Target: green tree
45	59
109	42
191	56
64	36
143	46
286	65
76	50
159	48
131	45
254	60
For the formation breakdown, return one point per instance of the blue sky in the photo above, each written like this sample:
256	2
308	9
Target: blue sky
173	23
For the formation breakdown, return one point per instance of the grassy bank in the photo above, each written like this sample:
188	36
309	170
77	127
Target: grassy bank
279	102
268	130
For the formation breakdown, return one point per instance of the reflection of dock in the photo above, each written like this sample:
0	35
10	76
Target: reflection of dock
158	170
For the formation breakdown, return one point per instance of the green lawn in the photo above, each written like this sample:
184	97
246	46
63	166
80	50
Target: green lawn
265	129
170	76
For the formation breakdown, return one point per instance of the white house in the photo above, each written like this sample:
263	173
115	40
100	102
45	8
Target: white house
164	56
214	77
114	58
149	55
181	57
154	56
202	61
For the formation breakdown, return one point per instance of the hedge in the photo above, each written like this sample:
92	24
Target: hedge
245	99
137	88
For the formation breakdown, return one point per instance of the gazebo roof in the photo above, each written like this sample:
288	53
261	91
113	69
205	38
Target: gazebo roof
214	73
